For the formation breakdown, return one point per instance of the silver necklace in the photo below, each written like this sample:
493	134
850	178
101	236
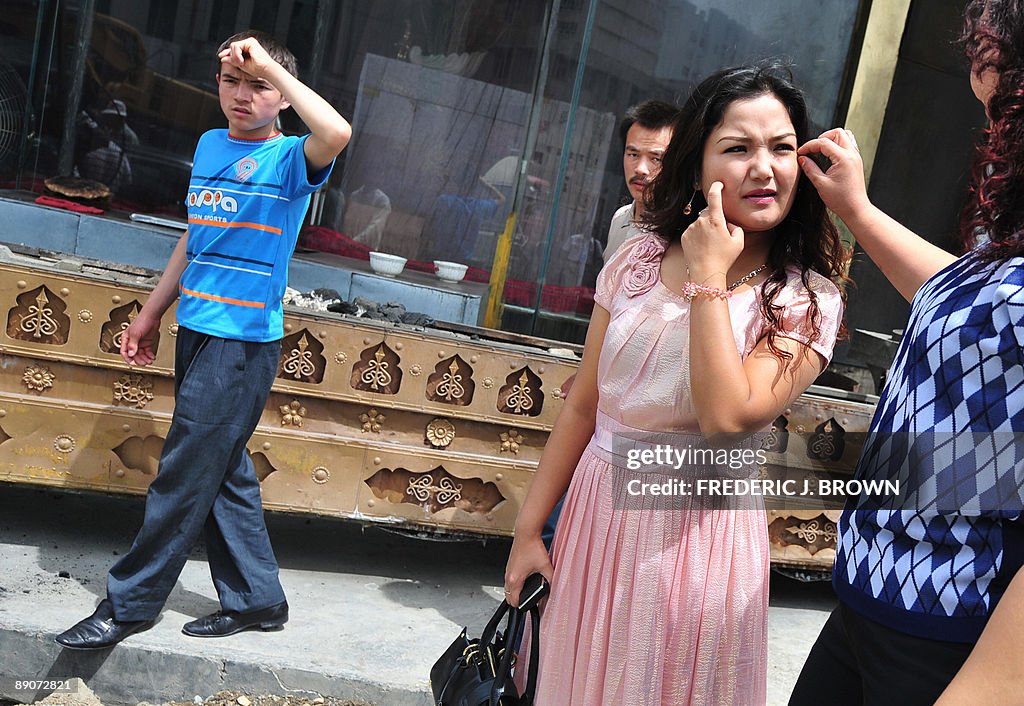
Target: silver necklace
749	276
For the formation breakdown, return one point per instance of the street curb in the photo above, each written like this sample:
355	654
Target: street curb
130	675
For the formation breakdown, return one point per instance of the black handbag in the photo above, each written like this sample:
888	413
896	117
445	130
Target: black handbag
479	672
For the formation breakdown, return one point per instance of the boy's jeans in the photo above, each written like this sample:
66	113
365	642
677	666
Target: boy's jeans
206	482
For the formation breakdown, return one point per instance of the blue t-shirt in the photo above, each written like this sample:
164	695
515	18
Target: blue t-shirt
246	201
934	560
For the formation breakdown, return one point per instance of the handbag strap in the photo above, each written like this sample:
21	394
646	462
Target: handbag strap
503	674
531	677
487	636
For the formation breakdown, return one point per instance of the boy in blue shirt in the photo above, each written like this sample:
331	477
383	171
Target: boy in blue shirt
249	191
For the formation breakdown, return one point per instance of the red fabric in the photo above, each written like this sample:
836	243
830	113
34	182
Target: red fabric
67	205
578	300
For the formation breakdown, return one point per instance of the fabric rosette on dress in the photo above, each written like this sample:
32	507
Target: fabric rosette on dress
644	265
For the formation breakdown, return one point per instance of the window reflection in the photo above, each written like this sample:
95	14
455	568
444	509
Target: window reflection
441	95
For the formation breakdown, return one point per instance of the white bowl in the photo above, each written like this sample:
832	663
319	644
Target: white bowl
450	271
387	265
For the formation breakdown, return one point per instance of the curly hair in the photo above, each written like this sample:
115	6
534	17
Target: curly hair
806	238
993	38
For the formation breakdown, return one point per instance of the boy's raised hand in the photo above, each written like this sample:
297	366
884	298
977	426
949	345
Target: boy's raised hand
249	56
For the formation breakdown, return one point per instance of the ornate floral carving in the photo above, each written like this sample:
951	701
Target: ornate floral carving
39	317
444	493
777	440
511	440
828	441
435	490
38	377
113	330
172	330
416	370
292	414
299	361
440	433
451	382
85	316
377	370
811	531
321	475
488	383
373	421
133	390
521	394
340	357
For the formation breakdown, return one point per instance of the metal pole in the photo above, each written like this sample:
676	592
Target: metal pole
30	95
67	141
503	249
563	164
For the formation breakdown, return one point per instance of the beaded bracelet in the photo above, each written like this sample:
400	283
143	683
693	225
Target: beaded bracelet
692	289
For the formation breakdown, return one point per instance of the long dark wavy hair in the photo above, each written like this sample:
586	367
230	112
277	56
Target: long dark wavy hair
993	38
806	239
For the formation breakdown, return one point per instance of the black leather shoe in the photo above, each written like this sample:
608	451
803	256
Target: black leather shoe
101	630
228	622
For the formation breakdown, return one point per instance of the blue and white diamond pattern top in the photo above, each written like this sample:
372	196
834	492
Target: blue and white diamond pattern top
933	561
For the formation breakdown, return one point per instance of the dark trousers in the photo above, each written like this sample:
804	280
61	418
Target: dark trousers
206	483
858	662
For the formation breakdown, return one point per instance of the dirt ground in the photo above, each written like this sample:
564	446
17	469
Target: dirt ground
83	696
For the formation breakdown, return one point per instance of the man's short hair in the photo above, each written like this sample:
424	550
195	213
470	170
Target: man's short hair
649	114
278	51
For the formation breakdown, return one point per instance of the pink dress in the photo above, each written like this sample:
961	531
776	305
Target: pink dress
655	606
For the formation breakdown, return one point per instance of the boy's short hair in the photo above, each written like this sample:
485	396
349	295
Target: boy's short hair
278	51
652	115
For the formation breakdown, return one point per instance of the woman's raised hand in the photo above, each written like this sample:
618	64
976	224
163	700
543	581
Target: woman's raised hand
711	244
841	186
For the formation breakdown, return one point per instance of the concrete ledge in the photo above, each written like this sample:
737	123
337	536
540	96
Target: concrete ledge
370	610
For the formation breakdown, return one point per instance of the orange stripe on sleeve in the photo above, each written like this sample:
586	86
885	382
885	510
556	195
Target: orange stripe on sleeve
221	224
224	300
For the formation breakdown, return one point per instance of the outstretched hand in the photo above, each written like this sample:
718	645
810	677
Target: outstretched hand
249	56
841	186
711	244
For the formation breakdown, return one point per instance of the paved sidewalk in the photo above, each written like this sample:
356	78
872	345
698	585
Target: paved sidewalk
371	610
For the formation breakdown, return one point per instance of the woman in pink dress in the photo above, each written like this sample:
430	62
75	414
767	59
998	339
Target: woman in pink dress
709	324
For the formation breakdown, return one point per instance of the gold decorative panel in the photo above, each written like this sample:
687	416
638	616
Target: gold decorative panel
435	490
38	378
440	433
372	421
807	534
510	441
777	439
133	390
827	442
378	370
141	454
302	358
521	394
292	414
120	319
39	317
262	465
451	382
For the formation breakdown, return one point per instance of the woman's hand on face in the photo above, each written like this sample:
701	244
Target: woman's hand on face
711	244
841	186
528	556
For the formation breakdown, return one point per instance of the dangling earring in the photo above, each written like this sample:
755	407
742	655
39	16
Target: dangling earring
688	208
